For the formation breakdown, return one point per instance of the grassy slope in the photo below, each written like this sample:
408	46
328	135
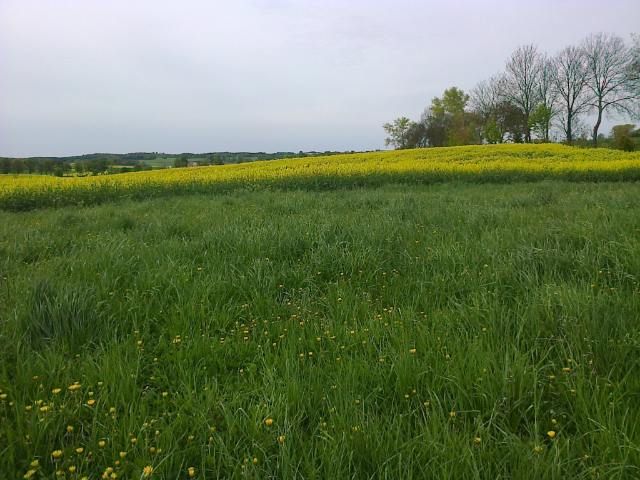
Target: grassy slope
305	308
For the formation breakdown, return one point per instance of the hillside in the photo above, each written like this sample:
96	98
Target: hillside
488	163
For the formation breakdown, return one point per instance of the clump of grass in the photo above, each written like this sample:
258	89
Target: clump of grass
65	315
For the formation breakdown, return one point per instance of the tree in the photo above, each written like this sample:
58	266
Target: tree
181	161
570	82
633	73
487	95
448	122
500	119
608	61
540	121
398	132
621	135
521	82
435	128
417	135
547	98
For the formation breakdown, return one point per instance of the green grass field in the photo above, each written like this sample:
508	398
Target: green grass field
424	331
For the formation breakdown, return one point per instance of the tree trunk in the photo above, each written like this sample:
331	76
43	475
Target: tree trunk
569	133
597	126
546	132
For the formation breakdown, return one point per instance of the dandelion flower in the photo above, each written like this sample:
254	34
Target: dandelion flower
147	471
191	471
56	454
268	422
551	434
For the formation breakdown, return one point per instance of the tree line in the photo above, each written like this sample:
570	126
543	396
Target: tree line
536	95
111	163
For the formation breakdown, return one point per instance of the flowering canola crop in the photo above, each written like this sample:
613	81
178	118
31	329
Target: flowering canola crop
479	163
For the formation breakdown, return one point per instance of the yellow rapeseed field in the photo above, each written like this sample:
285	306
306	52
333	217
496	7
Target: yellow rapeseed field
485	163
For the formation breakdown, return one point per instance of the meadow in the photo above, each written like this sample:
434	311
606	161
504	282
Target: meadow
446	327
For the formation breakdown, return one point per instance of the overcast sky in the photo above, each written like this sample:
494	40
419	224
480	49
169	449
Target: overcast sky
256	75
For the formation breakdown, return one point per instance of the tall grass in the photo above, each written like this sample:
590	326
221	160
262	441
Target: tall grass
422	332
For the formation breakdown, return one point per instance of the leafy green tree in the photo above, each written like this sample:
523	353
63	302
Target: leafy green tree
398	132
417	135
448	122
492	132
540	121
622	137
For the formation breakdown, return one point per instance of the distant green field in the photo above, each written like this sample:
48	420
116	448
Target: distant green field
419	331
160	162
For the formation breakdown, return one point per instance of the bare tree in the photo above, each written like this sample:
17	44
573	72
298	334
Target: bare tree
570	84
633	72
608	60
487	95
547	96
521	82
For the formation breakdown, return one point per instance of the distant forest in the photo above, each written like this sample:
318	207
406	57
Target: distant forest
538	98
110	163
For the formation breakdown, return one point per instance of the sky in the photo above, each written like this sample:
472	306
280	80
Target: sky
83	76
